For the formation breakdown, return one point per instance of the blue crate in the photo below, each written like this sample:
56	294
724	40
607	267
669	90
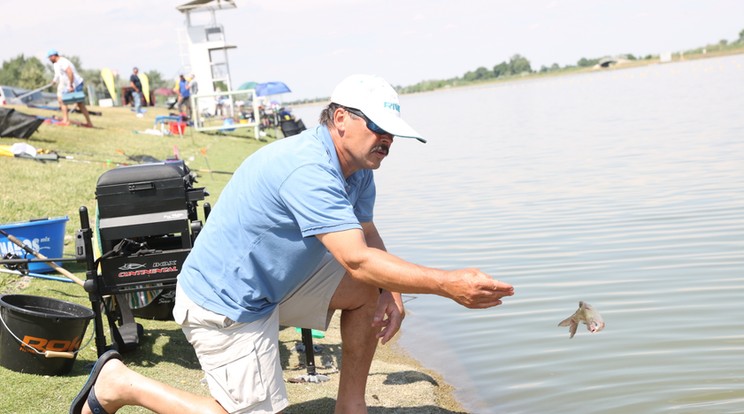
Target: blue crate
46	236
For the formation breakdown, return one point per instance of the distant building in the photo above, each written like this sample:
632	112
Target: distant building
609	61
606	62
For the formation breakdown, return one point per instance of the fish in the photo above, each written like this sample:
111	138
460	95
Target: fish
586	314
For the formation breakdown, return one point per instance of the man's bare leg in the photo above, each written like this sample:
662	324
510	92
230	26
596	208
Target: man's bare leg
357	302
63	107
118	386
84	110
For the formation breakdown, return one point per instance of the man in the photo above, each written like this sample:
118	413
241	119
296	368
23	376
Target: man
184	96
193	85
136	84
67	80
291	240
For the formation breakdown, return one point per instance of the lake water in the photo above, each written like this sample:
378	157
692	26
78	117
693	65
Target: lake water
624	189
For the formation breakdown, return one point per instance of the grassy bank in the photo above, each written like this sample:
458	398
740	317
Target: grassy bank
33	189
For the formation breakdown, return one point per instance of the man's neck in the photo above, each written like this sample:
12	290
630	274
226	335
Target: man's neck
344	160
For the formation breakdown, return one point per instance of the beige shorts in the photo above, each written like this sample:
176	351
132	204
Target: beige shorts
241	360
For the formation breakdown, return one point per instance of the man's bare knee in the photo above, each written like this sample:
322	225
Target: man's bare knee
352	294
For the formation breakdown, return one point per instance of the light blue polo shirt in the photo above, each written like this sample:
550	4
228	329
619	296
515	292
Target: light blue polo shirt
258	243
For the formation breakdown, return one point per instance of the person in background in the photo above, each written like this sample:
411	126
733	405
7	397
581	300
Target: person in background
292	240
136	85
219	107
177	101
193	85
67	80
184	97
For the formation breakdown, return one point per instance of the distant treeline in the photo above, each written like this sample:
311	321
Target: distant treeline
519	66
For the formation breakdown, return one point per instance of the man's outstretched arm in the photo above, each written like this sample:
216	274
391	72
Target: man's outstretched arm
468	287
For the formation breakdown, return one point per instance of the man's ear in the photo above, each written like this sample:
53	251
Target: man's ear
339	118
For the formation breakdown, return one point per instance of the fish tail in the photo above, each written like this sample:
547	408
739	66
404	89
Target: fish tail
573	330
565	322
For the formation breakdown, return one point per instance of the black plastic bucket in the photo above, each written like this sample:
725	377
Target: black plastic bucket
40	335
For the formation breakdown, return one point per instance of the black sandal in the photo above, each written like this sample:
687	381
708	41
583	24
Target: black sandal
87	393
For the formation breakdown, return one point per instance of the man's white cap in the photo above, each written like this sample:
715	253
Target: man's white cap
377	100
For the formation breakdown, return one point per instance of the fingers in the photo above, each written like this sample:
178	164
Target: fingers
379	317
503	287
492	289
483	291
390	327
388	319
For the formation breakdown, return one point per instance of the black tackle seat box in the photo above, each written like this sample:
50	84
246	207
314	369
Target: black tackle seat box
146	200
142	189
153	204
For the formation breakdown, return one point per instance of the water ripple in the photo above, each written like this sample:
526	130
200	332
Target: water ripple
620	189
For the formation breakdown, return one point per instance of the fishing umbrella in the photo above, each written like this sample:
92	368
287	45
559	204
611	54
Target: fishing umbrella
271	88
247	85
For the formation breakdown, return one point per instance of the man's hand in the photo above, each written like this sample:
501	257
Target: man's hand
476	290
391	306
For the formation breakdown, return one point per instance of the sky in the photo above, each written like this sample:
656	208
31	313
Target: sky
312	44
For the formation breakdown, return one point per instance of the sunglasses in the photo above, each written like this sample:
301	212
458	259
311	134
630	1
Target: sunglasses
370	125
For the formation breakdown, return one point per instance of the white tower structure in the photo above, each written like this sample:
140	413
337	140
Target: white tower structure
206	55
203	52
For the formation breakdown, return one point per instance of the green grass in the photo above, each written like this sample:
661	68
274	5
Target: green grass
33	189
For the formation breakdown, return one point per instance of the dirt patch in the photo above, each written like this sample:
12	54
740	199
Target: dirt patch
396	383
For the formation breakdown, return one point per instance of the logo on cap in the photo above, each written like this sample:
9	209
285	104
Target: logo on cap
392	105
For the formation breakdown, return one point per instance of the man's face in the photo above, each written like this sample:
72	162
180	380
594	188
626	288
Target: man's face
366	148
53	58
